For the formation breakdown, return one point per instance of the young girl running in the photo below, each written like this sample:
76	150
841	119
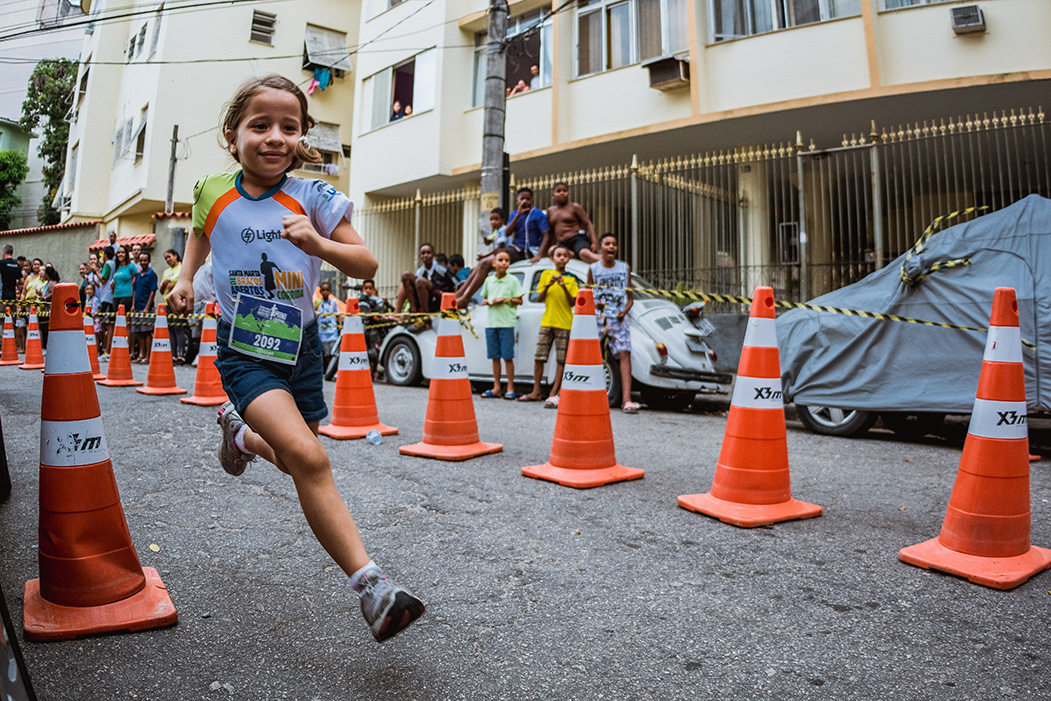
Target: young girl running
268	233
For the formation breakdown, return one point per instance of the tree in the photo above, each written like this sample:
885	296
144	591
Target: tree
47	106
13	170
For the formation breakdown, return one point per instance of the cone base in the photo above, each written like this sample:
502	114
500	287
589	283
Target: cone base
10	362
96	376
161	390
748	515
450	452
351	432
151	607
120	383
994	572
205	401
34	366
583	479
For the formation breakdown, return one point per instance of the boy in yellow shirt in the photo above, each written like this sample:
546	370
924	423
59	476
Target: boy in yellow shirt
558	291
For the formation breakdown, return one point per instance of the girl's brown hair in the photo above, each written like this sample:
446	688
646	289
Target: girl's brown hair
234	112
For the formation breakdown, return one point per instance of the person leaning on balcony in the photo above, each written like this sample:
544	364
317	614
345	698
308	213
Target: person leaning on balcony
396	112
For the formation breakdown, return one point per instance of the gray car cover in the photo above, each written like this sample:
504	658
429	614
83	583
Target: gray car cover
830	359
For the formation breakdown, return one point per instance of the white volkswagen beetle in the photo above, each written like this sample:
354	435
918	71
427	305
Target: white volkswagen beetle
670	362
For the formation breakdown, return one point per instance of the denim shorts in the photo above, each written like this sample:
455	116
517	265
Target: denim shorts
500	343
245	378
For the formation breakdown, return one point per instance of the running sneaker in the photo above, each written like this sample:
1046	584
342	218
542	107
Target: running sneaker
387	608
233	459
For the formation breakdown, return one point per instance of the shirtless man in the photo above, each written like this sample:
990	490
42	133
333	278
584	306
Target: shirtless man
571	226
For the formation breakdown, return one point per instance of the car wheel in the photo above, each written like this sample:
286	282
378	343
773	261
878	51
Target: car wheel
912	425
833	421
669	400
403	364
611	371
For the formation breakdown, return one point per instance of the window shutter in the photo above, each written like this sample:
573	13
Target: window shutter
325	137
327	48
423	82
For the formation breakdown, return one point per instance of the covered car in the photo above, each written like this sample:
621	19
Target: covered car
843	370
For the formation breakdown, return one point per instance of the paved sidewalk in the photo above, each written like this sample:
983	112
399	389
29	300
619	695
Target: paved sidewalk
535	591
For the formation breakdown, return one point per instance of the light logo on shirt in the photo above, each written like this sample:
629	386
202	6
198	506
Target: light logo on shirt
248	235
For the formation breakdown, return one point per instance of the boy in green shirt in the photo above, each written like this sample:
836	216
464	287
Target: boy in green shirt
501	293
558	291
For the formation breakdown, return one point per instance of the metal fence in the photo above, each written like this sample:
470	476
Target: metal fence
804	220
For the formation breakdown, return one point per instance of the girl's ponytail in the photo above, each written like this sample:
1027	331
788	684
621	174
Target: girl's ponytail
305	153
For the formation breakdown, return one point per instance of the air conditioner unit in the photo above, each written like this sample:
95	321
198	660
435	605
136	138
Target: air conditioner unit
967	19
668	72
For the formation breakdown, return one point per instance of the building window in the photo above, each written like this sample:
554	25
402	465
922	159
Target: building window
616	33
140	136
402	90
325	138
71	174
82	86
528	55
155	39
898	4
141	43
263	24
325	48
732	19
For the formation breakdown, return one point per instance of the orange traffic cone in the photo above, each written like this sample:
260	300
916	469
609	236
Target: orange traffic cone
160	379
34	353
118	372
582	451
450	430
752	485
208	387
985	535
9	351
93	353
354	409
91	580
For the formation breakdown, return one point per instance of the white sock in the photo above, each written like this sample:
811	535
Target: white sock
239	440
356	579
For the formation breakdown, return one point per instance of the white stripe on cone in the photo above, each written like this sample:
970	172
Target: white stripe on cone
161	344
1003	344
994	419
207	349
761	333
67	353
584	328
448	327
354	360
584	377
449	369
72	443
757	393
120	342
352	324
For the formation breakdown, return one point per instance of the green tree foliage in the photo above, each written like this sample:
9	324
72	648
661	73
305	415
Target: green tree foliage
47	107
13	170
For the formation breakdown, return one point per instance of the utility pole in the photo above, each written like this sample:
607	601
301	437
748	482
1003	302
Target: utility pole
169	203
493	130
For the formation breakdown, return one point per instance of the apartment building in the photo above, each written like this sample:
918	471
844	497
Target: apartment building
800	143
149	68
32	31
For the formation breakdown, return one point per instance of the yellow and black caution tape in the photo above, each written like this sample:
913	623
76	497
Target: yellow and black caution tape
918	248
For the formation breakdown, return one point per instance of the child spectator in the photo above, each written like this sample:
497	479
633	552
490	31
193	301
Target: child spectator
442	260
373	306
144	286
571	226
328	326
457	268
178	328
558	291
501	293
613	299
423	291
497	236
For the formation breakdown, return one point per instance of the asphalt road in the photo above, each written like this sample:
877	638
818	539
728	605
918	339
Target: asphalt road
535	591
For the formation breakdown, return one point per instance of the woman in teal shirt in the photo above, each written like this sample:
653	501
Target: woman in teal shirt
122	280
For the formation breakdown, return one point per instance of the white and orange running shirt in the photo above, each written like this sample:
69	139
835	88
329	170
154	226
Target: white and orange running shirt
249	256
